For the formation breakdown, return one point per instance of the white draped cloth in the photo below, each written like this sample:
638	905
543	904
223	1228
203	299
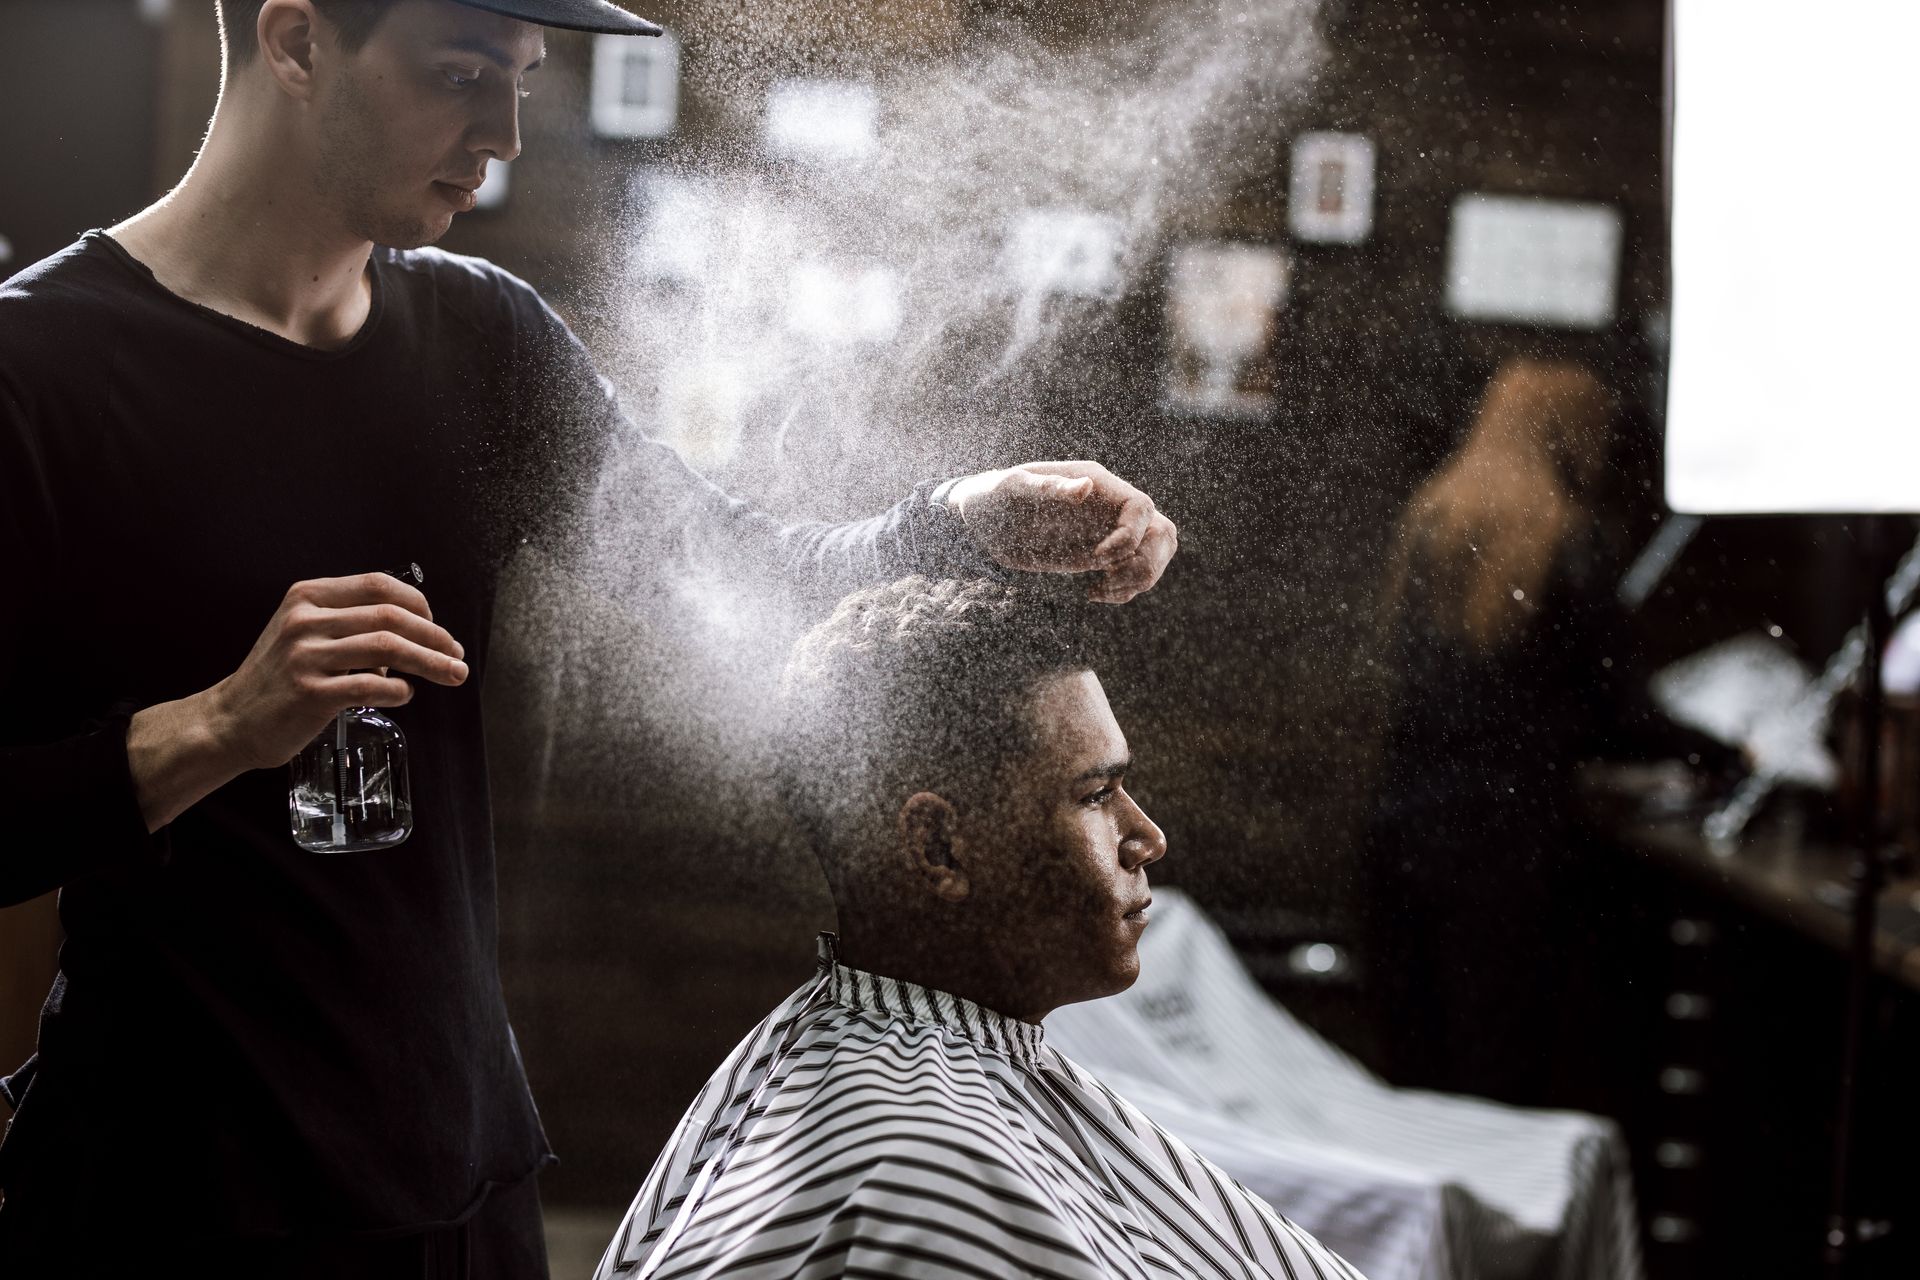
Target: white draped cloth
871	1127
1405	1184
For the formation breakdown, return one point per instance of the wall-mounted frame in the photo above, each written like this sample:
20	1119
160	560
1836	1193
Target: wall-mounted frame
1223	303
1330	190
826	121
1065	251
1526	260
636	86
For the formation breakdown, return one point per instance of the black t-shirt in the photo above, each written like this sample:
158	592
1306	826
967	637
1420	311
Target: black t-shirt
246	1037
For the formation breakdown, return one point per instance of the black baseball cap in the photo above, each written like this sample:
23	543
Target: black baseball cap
602	16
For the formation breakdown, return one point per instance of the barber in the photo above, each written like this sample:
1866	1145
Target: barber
216	420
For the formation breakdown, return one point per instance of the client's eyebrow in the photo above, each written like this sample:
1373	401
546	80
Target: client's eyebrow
1112	769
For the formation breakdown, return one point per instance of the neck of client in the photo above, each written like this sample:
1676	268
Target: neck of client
972	966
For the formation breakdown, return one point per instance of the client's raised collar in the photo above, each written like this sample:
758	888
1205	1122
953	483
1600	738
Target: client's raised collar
910	1002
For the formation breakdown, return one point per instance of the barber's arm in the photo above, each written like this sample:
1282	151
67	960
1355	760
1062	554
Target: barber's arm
94	794
1068	517
333	643
71	810
1040	517
97	797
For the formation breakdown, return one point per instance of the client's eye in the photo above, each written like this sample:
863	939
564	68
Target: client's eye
460	81
1099	797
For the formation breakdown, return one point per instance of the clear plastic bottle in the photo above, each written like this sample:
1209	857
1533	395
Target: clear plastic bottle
350	792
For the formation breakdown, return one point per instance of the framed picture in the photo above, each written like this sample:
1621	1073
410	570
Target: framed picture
1330	190
636	86
828	121
1223	305
1524	260
1065	251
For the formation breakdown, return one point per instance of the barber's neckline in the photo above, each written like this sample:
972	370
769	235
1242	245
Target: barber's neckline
285	346
926	1006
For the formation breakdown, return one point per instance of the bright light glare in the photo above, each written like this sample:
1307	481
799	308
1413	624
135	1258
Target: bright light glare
1796	278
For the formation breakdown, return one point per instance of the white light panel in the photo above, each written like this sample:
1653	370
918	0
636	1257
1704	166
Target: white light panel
1795	272
1522	260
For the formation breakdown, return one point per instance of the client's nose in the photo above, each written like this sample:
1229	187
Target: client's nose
1144	842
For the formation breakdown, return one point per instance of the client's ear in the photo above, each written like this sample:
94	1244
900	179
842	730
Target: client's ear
929	829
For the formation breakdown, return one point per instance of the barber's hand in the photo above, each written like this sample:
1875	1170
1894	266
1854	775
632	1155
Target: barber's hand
1069	517
297	677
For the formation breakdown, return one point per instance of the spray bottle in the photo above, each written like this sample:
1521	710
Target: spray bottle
350	792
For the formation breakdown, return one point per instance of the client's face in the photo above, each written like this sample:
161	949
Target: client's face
1065	849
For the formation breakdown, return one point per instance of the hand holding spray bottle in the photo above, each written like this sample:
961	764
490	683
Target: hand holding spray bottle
350	792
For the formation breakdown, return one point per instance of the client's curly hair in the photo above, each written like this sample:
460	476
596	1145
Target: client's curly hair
918	685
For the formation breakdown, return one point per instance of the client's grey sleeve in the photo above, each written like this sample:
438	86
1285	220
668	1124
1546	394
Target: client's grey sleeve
621	502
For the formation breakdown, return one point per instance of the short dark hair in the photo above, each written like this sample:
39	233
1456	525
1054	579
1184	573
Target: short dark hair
919	685
352	20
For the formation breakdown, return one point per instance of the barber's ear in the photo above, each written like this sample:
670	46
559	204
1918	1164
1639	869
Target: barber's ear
930	838
286	34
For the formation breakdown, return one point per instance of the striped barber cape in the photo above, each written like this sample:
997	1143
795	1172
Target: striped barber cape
871	1127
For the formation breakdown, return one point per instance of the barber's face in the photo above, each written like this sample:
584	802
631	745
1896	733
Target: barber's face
1063	852
407	123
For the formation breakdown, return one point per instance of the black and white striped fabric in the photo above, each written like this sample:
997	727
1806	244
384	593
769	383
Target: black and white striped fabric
871	1127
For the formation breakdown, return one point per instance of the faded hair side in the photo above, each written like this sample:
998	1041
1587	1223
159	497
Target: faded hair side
353	22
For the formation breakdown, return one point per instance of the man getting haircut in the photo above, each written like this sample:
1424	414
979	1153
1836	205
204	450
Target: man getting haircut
952	758
219	420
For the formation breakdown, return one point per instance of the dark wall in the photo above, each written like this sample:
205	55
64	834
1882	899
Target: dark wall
76	120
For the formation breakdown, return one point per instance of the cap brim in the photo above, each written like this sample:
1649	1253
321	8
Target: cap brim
598	16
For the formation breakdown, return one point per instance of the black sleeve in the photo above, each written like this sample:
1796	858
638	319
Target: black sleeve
70	801
622	500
